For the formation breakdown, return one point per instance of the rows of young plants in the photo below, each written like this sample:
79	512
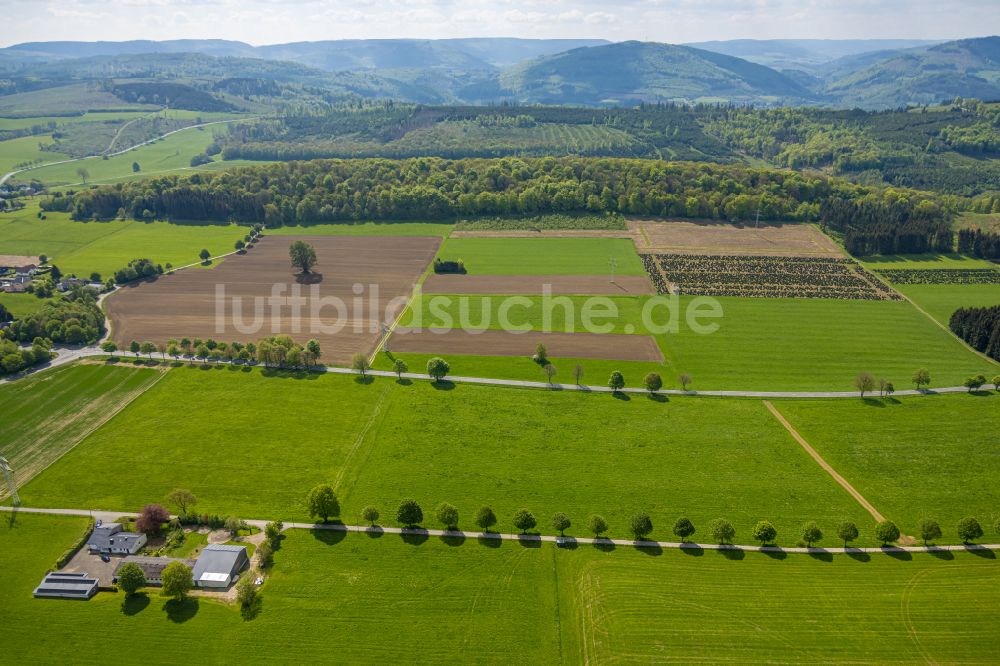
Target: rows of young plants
649	263
555	221
941	276
768	277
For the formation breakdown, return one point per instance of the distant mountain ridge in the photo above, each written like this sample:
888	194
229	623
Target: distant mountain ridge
874	74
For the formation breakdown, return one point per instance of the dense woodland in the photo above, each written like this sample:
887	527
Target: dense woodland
436	189
75	320
946	149
980	328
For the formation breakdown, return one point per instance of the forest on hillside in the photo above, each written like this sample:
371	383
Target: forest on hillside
876	220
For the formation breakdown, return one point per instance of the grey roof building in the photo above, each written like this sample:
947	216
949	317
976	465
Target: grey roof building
58	585
219	565
112	539
152	567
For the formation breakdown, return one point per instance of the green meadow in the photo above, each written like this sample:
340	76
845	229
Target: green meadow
386	599
759	344
14	152
924	262
378	443
21	304
543	256
913	457
173	152
85	247
941	300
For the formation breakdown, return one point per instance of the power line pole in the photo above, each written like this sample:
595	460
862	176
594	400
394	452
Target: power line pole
8	474
613	263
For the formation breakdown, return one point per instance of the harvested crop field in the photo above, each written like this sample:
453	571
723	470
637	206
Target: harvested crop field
186	304
17	261
713	237
508	343
574	285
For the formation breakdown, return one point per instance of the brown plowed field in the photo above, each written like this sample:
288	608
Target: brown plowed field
612	347
185	304
574	285
722	238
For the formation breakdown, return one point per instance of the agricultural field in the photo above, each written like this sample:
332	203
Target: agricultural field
68	99
104	247
764	277
984	221
15	153
912	457
56	410
439	229
760	344
580	345
168	154
443	283
708	237
924	262
185	304
543	256
940	301
543	450
461	600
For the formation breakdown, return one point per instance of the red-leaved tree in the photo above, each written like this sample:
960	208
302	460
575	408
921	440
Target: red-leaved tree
151	519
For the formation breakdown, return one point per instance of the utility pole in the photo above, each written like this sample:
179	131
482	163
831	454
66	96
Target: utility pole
757	226
8	474
613	263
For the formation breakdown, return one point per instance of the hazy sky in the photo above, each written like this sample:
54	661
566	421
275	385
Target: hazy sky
275	21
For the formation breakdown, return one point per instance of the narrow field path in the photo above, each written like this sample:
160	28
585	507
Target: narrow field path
568	541
845	484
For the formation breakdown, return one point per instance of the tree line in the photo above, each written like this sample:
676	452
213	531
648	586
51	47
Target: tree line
979	327
438	189
979	243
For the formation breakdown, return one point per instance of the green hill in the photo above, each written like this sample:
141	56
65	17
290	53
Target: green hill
963	68
633	72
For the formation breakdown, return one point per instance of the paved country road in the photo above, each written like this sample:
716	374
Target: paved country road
568	541
68	355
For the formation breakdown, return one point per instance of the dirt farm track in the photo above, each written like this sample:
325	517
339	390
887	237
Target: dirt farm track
370	276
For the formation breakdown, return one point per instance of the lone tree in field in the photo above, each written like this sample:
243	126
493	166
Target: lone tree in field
921	378
177	580
684	380
847	532
131	578
322	502
969	529
929	530
303	256
722	530
447	515
616	382
561	522
182	499
409	513
151	519
369	514
360	364
764	532
135	167
205	255
399	367
485	518
811	533
683	528
597	525
653	382
541	356
886	532
640	526
578	373
438	368
864	383
83	174
524	520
